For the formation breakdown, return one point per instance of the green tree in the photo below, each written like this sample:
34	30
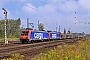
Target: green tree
13	28
2	29
41	26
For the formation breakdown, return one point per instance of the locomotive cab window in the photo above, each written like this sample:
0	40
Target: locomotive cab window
25	33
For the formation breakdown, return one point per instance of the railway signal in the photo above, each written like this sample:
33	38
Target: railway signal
5	13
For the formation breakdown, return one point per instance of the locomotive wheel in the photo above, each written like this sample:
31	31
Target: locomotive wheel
27	42
32	41
23	42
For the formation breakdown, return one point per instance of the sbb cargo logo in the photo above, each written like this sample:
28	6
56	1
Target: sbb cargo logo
53	35
38	35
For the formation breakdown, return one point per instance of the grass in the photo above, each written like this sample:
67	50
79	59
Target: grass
77	51
15	57
9	39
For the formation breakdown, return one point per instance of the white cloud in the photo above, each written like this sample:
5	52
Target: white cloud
1	14
46	9
2	2
9	15
20	1
85	4
54	11
29	8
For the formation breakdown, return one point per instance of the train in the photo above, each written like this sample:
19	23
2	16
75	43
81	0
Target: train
30	35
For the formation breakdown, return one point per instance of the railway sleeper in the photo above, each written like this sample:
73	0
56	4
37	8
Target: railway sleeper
5	56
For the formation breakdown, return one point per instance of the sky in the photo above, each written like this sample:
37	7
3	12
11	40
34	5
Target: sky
73	15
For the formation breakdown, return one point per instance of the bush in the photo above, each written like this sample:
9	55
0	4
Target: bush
77	51
15	57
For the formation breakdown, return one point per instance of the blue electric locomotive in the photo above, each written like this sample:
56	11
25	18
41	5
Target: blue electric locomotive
31	35
38	35
54	35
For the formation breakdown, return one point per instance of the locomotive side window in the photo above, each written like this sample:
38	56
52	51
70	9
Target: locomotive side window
24	33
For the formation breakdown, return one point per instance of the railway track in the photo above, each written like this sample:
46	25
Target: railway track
10	43
30	50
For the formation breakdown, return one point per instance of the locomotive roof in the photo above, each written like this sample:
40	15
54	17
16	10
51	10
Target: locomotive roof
39	31
30	29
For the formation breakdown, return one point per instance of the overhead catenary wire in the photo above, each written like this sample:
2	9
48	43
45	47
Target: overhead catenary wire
58	10
67	8
34	8
27	6
11	5
73	9
70	5
53	8
47	5
42	2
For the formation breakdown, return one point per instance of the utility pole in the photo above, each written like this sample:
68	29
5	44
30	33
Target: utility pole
32	25
27	22
56	27
64	31
59	28
5	13
38	24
